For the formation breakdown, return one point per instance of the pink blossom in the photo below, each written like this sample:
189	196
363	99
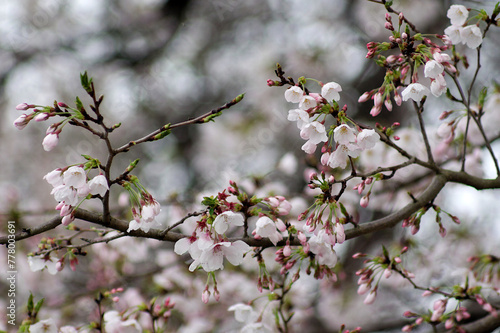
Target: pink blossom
42	116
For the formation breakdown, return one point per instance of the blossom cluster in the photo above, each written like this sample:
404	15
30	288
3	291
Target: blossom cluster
349	142
71	186
469	35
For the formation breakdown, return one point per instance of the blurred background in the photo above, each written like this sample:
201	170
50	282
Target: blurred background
159	62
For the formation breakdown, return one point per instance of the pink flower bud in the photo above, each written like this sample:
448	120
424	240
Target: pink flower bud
205	296
397	98
388	104
448	324
23	107
407	328
287	251
375	111
389	26
42	116
66	220
50	141
364	201
62	104
270	83
365	97
397	260
116	299
387	273
370	298
396	137
404	35
280	224
21	121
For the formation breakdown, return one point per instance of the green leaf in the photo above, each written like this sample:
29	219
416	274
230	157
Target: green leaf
30	303
86	82
79	104
39	305
496	11
385	252
161	135
482	97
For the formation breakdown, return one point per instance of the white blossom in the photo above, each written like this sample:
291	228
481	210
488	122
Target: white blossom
307	102
414	91
113	323
243	313
438	86
54	178
367	139
44	326
212	258
472	36
265	227
455	34
433	68
300	116
293	94
98	185
321	245
75	176
344	134
315	132
37	263
330	91
224	220
457	14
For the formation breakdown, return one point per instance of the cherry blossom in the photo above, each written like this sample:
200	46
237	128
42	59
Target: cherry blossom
471	36
44	326
114	324
367	139
54	178
330	91
226	219
307	102
75	176
344	134
457	14
265	227
455	34
415	91
433	68
300	116
293	94
243	313
256	328
98	185
37	263
315	132
438	86
212	258
338	158
321	245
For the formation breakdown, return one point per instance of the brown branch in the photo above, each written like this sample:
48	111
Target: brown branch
28	232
